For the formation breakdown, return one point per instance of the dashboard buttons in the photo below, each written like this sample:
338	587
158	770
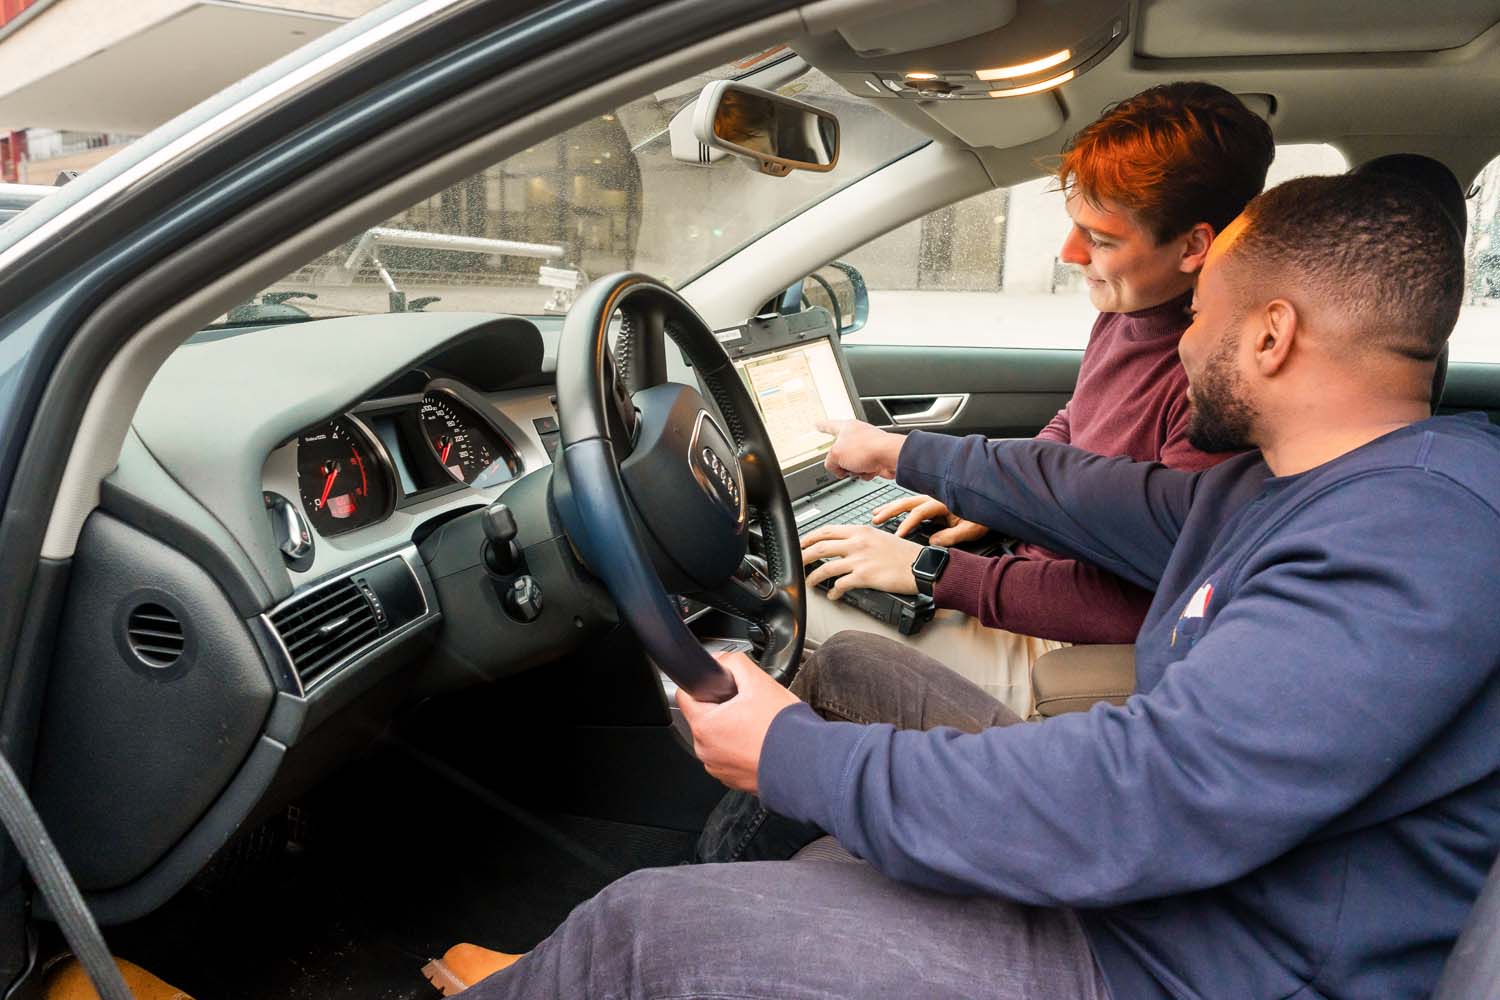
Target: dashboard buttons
524	599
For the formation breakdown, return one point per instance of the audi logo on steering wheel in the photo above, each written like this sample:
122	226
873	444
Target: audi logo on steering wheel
725	480
719	478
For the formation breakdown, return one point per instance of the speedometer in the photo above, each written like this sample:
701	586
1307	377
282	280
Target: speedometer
343	485
466	447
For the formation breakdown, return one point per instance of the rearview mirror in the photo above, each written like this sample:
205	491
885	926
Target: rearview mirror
775	133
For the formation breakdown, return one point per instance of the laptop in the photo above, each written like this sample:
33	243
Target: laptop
798	378
795	388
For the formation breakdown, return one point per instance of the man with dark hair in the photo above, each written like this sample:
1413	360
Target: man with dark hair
1149	184
1437	180
1303	797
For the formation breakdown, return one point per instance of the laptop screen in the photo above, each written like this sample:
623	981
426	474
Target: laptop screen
795	388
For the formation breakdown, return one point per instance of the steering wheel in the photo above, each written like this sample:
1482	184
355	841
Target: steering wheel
659	498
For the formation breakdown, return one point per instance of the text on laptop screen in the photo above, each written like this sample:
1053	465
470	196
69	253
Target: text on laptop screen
795	388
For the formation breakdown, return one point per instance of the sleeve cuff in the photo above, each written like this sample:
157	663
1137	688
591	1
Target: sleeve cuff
961	585
923	463
802	764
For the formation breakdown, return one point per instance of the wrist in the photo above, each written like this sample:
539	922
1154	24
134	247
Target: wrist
893	452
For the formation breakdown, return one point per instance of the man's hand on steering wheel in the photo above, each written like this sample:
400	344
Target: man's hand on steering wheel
923	508
728	736
860	556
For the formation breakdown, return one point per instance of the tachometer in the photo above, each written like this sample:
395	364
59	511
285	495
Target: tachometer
343	486
463	444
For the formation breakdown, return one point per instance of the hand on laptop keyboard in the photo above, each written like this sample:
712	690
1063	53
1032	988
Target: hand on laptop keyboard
921	534
860	556
922	514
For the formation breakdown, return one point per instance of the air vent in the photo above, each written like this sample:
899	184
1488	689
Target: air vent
326	627
155	635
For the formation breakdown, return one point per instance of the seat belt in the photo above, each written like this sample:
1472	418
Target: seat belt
50	873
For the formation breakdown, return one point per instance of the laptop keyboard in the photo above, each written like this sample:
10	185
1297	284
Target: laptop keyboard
859	512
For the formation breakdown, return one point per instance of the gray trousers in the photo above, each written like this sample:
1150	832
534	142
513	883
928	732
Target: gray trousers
805	929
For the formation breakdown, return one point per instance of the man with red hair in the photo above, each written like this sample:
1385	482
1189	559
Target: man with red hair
1149	184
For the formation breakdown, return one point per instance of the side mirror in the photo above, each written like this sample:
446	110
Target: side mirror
837	287
776	133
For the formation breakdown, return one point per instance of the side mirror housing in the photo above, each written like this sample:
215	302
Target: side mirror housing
776	134
837	287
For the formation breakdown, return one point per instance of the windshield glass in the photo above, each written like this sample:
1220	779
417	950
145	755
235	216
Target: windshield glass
523	235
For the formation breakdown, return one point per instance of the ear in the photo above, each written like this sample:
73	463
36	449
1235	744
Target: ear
1278	332
1195	246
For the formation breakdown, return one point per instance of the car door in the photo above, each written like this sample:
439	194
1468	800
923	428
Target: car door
153	238
973	325
930	363
994	391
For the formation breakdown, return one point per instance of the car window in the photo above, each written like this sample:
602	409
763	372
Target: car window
605	196
985	271
1474	336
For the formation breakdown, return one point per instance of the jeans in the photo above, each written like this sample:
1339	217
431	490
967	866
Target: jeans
816	929
800	930
854	677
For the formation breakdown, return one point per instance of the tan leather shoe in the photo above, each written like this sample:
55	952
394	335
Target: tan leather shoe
463	965
67	981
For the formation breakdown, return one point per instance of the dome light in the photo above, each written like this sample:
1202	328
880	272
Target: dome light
1035	88
1024	69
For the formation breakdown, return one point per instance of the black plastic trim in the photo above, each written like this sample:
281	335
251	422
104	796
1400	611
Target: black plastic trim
192	852
242	590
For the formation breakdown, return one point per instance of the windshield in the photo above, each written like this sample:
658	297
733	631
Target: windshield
525	234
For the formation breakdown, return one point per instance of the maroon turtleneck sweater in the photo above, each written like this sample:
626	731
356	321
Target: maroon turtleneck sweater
1131	399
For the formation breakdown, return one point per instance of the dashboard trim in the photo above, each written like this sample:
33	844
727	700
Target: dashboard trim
412	560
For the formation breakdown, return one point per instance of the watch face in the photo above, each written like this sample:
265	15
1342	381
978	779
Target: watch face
930	562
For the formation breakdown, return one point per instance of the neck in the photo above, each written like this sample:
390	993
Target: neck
1311	443
1176	293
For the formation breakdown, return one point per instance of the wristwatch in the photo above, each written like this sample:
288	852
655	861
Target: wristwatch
928	566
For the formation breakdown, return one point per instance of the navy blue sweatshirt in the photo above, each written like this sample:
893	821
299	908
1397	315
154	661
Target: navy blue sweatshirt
1303	797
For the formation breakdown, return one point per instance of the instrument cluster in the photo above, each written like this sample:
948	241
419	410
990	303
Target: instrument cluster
356	468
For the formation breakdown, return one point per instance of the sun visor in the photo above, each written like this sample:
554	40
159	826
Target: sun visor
1001	124
927	25
1185	29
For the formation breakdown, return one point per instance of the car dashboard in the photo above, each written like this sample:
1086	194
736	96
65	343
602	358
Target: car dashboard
283	538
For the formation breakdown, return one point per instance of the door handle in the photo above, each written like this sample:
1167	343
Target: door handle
939	409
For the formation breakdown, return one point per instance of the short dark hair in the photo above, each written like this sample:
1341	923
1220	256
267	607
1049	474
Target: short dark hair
1431	175
1377	246
1174	156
